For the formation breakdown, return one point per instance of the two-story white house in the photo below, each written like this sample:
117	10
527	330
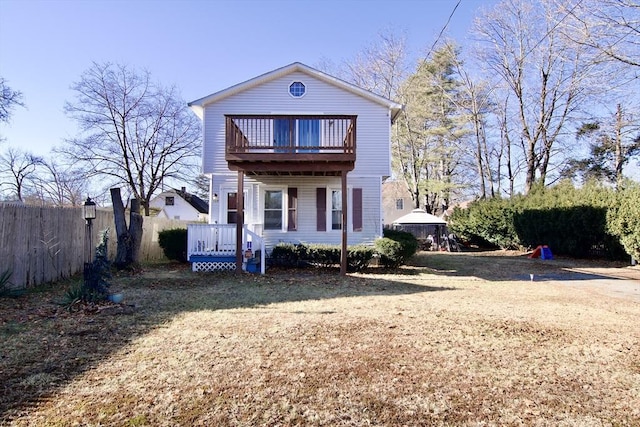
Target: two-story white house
308	152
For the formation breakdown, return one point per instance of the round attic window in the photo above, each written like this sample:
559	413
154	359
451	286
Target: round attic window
297	89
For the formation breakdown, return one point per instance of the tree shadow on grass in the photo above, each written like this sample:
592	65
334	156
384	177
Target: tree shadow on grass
45	347
500	267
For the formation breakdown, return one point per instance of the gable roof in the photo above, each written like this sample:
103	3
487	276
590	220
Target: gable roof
198	204
198	105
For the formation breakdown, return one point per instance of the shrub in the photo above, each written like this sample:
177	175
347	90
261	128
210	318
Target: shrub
320	255
624	220
408	242
288	255
96	285
174	243
490	221
324	255
475	226
573	222
358	257
390	252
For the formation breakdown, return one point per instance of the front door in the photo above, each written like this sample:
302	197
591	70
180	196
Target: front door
227	235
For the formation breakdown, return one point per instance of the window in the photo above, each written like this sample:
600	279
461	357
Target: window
273	210
297	89
336	209
333	210
232	208
169	201
292	205
399	204
297	133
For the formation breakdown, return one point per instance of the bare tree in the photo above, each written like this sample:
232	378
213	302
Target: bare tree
547	78
382	66
17	168
201	186
9	99
134	132
475	101
58	185
610	28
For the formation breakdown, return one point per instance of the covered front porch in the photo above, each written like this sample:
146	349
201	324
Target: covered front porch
214	247
272	146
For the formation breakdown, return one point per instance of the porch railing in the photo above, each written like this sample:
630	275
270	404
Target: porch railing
304	134
220	240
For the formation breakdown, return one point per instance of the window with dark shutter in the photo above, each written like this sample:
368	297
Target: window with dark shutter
292	220
357	209
321	209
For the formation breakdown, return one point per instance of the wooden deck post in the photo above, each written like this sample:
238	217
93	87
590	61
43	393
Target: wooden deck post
345	208
239	222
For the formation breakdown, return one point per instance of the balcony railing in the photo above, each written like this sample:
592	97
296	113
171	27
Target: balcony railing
304	139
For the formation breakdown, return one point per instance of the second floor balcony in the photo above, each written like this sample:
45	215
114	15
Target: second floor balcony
291	144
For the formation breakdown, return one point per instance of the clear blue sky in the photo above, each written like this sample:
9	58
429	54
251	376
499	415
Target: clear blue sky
201	46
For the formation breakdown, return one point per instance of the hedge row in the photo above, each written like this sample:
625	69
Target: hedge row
394	249
319	255
592	221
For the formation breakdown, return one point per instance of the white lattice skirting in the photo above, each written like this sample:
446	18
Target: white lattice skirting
213	266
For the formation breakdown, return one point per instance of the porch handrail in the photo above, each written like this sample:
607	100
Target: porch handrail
220	240
257	240
211	239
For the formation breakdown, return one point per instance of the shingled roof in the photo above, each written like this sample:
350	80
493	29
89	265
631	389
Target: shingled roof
195	201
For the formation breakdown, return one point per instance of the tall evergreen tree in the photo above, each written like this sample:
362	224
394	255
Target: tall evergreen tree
427	136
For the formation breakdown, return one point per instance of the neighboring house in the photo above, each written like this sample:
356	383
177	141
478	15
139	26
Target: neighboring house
307	151
396	201
178	204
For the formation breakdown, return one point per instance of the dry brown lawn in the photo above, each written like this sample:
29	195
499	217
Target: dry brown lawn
454	340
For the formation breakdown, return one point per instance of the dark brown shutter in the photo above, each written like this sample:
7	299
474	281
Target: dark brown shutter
321	209
357	209
292	208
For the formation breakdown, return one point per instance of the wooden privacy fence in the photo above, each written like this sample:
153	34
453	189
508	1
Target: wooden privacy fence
46	244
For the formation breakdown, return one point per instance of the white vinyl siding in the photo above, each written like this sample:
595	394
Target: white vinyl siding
273	97
306	208
373	122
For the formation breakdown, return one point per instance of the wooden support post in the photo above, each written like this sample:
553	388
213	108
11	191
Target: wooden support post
345	208
239	222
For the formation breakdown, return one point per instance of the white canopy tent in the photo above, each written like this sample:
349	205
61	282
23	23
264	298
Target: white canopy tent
423	225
